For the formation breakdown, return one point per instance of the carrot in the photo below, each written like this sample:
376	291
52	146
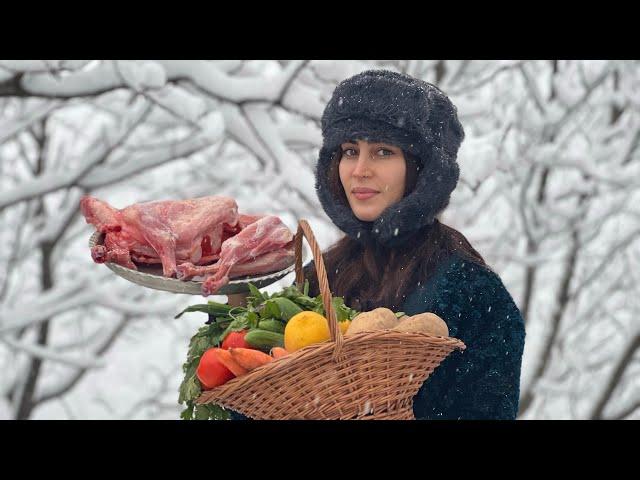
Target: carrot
278	352
249	358
227	360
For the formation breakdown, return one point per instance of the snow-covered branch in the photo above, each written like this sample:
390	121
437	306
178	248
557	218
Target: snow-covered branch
50	182
62	387
51	354
205	75
10	127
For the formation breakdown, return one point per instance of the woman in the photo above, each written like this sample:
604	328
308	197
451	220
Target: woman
386	170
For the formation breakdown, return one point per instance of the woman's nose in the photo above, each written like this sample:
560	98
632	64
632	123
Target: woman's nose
362	166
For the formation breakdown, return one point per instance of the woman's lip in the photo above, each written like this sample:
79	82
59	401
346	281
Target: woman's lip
364	190
364	195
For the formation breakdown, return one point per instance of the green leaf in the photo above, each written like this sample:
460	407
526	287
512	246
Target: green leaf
253	319
216	412
255	293
214	308
201	412
270	310
338	303
240	323
211	411
193	389
187	413
307	303
256	297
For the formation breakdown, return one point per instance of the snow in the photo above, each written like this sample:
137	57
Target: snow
217	83
142	75
214	127
84	82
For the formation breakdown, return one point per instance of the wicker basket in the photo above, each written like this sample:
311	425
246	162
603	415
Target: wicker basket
369	375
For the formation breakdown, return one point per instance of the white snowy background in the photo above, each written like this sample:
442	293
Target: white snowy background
549	194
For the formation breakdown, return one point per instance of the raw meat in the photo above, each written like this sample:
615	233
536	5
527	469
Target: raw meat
171	231
187	235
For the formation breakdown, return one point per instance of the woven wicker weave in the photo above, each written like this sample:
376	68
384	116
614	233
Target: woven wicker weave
369	375
151	277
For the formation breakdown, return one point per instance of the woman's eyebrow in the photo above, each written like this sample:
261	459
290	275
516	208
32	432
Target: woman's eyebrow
382	144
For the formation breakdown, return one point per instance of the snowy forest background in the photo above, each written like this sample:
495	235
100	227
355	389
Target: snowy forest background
549	194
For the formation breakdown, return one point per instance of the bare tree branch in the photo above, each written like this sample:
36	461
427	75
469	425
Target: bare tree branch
618	373
627	412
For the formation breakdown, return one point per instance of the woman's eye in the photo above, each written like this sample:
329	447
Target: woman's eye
385	152
349	152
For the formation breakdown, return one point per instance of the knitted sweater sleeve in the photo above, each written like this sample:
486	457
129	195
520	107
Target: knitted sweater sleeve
483	381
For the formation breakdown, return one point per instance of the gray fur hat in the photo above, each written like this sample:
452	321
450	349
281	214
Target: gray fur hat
390	107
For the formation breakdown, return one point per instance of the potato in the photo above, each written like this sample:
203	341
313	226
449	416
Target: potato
378	319
424	322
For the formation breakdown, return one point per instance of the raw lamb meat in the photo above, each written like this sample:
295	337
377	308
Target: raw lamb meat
187	235
250	251
171	231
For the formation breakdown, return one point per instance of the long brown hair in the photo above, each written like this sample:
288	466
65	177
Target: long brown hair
369	276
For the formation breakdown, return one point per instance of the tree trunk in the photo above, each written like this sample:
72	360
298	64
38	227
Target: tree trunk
26	400
26	395
561	306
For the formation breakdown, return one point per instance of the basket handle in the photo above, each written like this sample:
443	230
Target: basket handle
304	229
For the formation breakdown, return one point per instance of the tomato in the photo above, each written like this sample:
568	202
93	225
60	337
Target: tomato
236	340
211	372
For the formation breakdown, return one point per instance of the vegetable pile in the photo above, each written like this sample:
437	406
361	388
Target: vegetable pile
238	339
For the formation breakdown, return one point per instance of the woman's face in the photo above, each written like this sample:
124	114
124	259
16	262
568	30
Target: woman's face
373	177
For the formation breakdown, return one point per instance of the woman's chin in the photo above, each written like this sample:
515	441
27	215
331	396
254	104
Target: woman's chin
366	216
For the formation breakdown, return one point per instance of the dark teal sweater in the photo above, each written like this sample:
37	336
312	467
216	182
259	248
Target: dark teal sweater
483	381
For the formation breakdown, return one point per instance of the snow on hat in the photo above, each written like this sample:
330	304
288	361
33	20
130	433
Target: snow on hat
390	107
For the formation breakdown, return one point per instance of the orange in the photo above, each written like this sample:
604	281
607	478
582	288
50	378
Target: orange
344	325
305	328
